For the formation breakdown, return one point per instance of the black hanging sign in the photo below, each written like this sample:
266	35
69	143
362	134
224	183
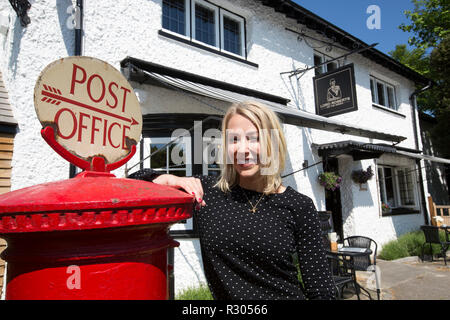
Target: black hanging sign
335	92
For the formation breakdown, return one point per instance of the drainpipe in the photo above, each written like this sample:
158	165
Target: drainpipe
413	100
78	51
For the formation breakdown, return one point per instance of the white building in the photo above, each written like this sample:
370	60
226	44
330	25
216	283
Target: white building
190	59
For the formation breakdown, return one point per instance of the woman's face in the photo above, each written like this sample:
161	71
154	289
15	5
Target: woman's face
243	145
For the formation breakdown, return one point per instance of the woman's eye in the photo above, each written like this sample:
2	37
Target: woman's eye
253	139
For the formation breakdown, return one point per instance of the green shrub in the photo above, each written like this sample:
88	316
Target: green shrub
199	293
408	245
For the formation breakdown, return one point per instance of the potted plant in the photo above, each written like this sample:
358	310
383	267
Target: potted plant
385	207
330	180
362	176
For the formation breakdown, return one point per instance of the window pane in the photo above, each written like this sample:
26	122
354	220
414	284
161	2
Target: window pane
380	92
317	61
232	35
406	187
177	155
381	182
372	89
391	98
389	182
174	16
332	66
205	25
158	160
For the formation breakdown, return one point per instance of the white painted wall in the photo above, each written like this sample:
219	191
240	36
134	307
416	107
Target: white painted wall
115	30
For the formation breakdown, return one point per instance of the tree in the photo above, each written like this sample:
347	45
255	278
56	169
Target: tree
430	23
440	66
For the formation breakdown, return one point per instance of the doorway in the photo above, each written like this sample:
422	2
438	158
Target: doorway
333	198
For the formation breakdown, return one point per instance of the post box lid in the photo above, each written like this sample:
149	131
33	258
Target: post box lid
89	202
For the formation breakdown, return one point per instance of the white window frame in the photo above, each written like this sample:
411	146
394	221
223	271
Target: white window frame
189	225
324	58
396	185
165	140
216	17
240	20
187	22
385	85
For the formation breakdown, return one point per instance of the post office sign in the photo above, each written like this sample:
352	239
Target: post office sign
91	107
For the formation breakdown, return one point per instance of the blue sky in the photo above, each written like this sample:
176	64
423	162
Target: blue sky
351	16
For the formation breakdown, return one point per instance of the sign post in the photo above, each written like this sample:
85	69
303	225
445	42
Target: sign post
89	112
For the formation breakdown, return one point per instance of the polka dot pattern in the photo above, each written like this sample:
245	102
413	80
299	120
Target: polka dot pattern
250	255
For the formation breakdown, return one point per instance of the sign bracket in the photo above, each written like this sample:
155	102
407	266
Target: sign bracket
301	71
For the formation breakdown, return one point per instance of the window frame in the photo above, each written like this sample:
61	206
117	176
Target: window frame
188	225
215	9
224	13
396	186
219	13
324	58
375	97
187	22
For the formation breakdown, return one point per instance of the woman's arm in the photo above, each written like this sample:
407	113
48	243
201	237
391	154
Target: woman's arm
316	275
191	185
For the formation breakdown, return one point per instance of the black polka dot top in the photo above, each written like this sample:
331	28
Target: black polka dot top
249	255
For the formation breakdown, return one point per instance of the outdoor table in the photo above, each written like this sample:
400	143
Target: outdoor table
348	254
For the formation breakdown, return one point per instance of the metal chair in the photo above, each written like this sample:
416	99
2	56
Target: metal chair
364	263
340	278
432	237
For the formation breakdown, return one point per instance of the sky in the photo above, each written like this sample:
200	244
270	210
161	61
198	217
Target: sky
351	16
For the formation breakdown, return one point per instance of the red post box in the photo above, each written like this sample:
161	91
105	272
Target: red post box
94	236
91	237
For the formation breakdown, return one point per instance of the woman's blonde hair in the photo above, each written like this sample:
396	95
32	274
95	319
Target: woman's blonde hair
272	142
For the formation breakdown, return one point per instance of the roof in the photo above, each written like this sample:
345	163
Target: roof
151	73
305	17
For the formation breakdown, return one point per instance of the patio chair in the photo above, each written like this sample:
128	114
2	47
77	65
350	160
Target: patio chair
432	237
326	226
364	263
340	278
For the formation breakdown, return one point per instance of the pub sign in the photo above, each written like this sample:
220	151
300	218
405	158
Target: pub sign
335	92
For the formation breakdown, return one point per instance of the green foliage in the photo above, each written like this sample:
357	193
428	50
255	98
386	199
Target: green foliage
430	22
199	293
408	245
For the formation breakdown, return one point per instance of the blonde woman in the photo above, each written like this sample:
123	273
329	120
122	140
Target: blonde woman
250	225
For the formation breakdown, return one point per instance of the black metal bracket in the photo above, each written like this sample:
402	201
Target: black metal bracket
21	7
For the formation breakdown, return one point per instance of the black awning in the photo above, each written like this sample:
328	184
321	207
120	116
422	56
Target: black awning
358	150
150	73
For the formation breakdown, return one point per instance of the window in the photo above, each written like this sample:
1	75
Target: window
320	58
397	186
174	16
205	23
383	93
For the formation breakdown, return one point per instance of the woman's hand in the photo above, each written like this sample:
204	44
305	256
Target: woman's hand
189	184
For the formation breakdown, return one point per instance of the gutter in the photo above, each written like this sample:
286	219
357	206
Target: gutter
413	102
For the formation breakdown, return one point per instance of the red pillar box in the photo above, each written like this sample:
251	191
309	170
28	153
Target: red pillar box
94	236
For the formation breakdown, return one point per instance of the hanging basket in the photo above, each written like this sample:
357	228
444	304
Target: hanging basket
330	180
362	176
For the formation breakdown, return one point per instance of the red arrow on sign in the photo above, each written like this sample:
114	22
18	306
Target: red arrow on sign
86	106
